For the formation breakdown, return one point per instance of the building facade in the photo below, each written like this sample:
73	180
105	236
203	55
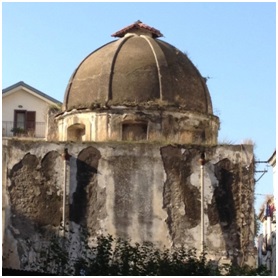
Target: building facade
25	110
136	118
267	216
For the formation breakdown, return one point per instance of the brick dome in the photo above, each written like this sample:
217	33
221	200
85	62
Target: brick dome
138	69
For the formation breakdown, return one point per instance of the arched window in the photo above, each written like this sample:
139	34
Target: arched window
75	132
134	131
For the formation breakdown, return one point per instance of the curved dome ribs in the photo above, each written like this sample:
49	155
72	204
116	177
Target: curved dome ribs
135	77
160	61
181	85
68	89
71	80
66	96
121	43
208	105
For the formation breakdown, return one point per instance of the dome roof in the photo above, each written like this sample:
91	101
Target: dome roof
138	69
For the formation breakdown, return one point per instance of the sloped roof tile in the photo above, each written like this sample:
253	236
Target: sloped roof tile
21	83
137	25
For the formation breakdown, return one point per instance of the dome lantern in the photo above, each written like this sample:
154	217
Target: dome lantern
139	28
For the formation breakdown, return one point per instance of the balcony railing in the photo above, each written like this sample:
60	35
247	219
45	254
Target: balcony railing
9	129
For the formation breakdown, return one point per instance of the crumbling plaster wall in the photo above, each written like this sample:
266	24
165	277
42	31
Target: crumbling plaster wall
140	191
173	126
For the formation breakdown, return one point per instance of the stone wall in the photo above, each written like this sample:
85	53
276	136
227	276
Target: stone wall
52	127
140	191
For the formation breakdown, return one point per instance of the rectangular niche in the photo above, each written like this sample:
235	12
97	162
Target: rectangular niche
134	131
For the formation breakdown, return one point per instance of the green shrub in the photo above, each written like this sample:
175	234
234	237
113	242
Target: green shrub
117	257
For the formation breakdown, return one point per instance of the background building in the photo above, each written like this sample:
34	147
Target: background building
24	111
267	216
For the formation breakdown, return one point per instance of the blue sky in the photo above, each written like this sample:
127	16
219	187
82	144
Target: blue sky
234	44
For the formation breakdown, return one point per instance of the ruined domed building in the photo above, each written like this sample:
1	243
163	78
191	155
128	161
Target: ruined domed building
136	117
138	88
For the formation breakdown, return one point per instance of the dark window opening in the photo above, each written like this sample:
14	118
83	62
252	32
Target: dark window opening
24	122
75	132
134	131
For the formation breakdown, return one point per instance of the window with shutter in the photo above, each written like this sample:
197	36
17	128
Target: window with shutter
30	122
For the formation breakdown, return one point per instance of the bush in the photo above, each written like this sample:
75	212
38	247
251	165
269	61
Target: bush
18	130
118	257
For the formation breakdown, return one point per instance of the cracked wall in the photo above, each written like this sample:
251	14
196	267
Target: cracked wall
125	124
140	191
